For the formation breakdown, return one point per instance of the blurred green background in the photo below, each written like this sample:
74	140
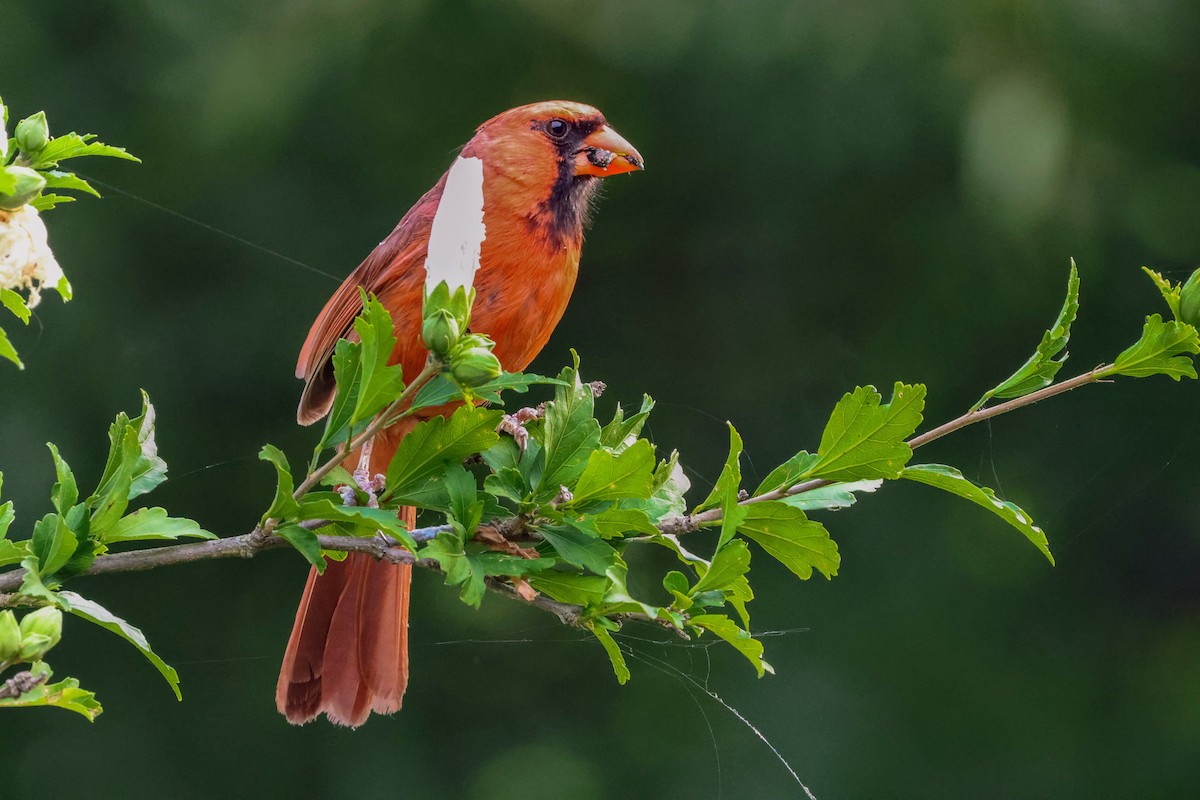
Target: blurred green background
837	194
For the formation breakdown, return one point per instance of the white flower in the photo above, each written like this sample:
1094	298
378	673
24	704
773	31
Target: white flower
458	231
26	262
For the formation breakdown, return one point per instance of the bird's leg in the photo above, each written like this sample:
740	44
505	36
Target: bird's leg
362	475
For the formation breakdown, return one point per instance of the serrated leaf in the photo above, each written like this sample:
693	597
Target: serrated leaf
438	441
951	480
614	652
797	542
153	523
613	477
45	202
306	544
380	383
730	563
570	434
8	351
72	145
347	374
67	180
615	434
616	522
865	438
833	496
1163	349
567	587
1170	291
16	304
65	492
788	474
64	694
386	520
1039	371
32	584
741	640
52	544
95	613
578	548
442	389
10	551
725	493
283	506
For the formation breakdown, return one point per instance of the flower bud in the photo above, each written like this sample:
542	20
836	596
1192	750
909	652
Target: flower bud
475	366
40	630
1189	300
28	184
32	133
10	636
440	331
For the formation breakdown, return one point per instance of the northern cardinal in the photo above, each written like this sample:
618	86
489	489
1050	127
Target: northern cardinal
348	652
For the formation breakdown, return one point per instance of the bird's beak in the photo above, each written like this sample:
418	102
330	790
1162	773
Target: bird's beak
606	153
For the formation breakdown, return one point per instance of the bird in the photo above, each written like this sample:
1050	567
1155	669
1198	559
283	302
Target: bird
542	164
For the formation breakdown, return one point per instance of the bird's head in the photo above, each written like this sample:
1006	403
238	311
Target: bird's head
544	160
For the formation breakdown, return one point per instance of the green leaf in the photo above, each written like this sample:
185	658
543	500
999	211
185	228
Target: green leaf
381	384
64	493
99	615
1162	350
153	523
447	549
1170	291
347	371
10	551
571	433
8	351
578	548
67	180
72	145
32	585
730	563
614	434
741	640
438	441
1039	371
567	587
725	492
616	522
53	544
797	542
788	474
306	544
64	694
609	477
951	480
465	510
16	304
148	470
45	202
614	652
283	506
442	389
372	519
864	439
833	496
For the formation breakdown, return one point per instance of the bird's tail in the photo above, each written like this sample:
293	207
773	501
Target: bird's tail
348	652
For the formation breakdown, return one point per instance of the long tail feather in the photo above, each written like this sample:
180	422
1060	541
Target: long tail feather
348	653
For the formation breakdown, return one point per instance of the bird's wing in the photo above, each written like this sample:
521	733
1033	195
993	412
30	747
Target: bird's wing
398	258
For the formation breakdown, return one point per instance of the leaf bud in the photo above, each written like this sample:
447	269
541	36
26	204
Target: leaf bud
28	184
440	331
32	133
10	636
40	630
475	366
1189	300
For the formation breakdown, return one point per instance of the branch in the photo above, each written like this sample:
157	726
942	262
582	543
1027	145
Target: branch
384	547
690	522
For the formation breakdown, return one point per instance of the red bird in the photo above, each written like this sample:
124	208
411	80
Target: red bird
348	652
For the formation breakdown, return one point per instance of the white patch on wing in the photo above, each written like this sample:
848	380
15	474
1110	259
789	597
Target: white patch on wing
458	230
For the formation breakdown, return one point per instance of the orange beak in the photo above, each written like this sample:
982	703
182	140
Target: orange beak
606	153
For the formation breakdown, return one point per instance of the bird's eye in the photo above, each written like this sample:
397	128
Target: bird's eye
557	128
